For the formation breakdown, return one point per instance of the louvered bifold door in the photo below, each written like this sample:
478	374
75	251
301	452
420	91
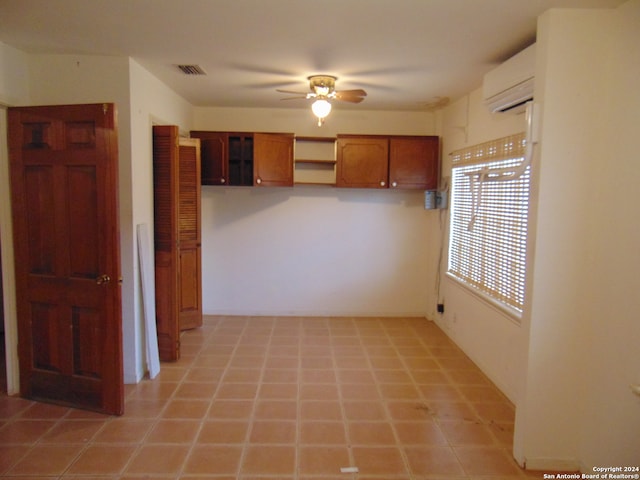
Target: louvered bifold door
165	195
189	267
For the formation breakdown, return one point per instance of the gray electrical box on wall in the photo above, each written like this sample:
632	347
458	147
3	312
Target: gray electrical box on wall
434	199
429	199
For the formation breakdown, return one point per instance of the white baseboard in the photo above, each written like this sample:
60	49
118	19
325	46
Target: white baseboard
553	465
313	313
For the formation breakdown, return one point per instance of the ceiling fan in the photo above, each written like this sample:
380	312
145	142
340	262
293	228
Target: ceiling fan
322	89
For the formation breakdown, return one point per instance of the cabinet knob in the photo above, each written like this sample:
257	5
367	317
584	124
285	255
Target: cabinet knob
258	180
222	180
382	184
394	184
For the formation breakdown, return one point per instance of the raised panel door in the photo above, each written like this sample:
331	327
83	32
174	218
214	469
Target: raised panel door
63	162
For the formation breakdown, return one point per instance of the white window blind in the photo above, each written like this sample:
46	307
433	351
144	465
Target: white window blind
489	216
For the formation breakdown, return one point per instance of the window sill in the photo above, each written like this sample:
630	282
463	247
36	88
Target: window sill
512	314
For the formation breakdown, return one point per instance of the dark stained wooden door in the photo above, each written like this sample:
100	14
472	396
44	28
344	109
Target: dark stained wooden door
63	162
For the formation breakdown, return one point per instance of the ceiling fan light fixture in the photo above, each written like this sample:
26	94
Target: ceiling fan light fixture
321	108
322	84
323	91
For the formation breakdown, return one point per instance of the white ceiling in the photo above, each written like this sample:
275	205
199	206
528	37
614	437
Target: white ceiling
405	53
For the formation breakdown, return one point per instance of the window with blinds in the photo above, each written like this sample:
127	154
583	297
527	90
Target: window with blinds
489	216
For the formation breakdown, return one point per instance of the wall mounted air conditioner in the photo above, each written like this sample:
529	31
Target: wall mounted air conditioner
510	85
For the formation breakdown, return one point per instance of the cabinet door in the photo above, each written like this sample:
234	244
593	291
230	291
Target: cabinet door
214	152
273	159
413	162
240	159
362	162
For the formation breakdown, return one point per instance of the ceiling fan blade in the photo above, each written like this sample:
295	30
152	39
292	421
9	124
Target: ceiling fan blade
295	98
354	96
349	99
291	91
357	92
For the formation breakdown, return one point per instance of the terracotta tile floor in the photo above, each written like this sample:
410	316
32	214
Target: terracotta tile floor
282	398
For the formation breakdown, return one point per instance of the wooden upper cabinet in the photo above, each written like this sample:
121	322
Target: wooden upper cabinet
362	161
273	159
369	161
245	159
413	162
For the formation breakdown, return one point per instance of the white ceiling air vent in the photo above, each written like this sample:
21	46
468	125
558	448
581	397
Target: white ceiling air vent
510	85
192	69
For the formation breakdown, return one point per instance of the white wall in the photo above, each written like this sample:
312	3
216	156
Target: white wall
302	122
558	336
612	414
577	410
152	102
13	91
316	250
490	337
